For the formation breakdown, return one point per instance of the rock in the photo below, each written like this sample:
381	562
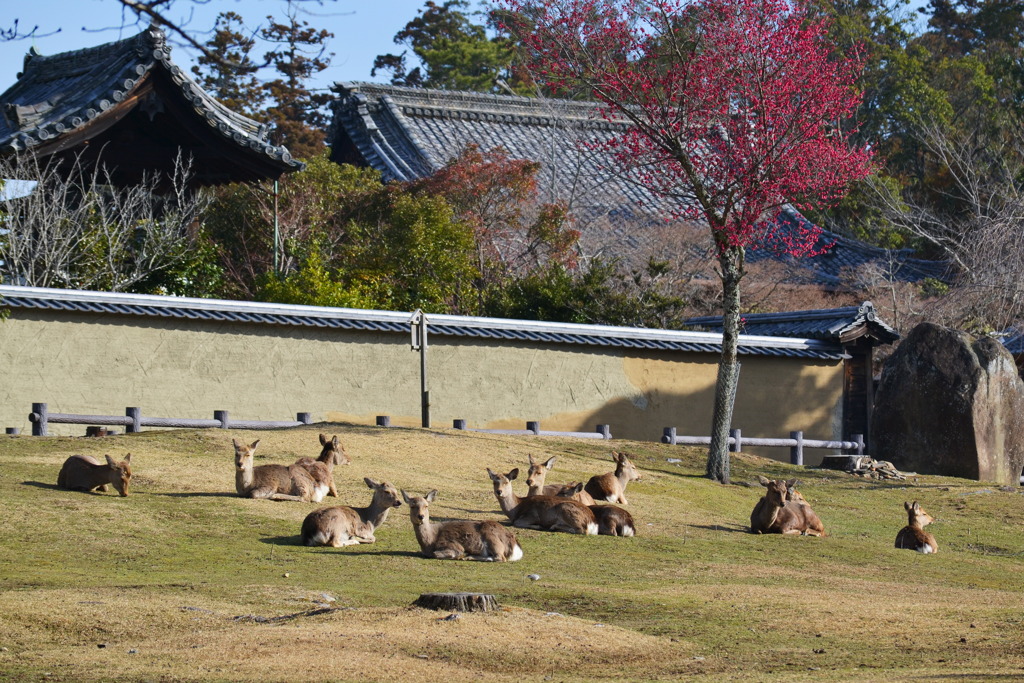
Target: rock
952	405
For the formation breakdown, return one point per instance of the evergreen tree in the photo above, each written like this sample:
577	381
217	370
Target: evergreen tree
227	71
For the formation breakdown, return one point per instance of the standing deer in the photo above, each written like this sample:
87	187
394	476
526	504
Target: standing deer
611	487
535	480
273	482
322	469
913	536
486	541
341	525
549	513
776	514
86	473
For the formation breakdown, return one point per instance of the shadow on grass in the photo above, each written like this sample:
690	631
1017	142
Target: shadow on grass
731	528
283	540
42	485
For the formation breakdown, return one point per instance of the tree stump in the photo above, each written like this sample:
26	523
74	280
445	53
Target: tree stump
459	602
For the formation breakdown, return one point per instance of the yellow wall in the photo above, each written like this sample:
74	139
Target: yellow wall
100	364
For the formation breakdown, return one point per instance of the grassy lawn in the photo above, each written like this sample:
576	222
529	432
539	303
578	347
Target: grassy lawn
183	580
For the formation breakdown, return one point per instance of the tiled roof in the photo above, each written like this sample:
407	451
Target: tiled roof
57	95
27	298
408	133
829	324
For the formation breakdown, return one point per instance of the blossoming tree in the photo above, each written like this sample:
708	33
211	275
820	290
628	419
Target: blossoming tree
735	109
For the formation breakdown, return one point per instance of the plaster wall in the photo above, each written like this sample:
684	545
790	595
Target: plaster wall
100	364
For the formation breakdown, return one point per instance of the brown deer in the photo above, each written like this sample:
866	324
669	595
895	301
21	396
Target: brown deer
341	525
86	473
486	541
549	513
535	480
613	521
776	514
322	469
611	487
913	536
273	482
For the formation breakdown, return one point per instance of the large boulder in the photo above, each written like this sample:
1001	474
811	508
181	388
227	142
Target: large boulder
951	404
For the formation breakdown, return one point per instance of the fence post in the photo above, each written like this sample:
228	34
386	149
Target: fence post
737	444
12	430
40	421
605	431
458	423
383	420
534	427
304	418
668	435
859	438
221	415
796	453
136	424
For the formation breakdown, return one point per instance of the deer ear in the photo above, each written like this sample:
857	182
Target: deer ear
254	444
576	488
513	474
764	481
110	461
335	442
405	497
323	439
907	506
550	462
128	459
790	483
492	475
532	461
370	483
430	496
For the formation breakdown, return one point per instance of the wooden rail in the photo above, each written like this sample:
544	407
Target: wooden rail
133	421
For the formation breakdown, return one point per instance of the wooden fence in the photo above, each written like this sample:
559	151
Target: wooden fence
532	429
133	421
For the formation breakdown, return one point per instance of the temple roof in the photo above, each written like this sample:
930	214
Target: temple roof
409	133
839	325
130	102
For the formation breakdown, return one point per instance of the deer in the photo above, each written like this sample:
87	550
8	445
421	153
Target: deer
913	536
548	513
613	520
86	473
341	525
776	514
322	469
273	482
611	486
486	541
535	480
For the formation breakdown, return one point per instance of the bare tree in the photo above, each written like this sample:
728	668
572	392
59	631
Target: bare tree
976	220
76	230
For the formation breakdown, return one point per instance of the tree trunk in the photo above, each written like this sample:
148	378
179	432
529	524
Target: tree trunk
458	602
731	263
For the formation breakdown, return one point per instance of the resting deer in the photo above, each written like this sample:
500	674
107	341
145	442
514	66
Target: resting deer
341	525
611	487
549	513
535	480
86	473
613	521
913	536
460	539
274	482
322	469
776	514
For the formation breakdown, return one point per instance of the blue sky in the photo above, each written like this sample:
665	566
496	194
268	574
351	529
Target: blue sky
362	28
